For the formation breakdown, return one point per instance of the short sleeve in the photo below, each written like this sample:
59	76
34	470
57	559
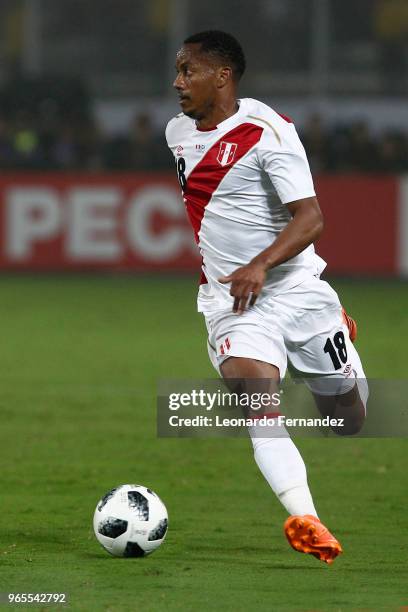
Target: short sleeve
287	167
167	133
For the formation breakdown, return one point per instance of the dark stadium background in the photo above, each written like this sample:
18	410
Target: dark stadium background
98	280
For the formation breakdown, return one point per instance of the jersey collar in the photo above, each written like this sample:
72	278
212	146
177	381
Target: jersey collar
226	122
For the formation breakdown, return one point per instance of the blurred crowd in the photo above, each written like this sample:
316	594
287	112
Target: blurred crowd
353	147
45	141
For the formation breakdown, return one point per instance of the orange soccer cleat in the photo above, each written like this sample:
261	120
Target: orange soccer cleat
308	535
351	324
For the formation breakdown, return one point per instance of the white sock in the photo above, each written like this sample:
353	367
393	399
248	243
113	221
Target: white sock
283	467
298	501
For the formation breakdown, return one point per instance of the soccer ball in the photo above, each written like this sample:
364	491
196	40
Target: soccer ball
130	521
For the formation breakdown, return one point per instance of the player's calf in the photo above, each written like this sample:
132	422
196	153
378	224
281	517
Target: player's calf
348	406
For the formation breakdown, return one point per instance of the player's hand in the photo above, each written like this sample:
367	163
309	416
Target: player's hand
246	285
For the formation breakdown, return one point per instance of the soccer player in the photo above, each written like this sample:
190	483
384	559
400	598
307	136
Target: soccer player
250	198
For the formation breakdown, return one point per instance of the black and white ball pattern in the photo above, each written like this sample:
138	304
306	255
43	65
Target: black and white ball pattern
130	521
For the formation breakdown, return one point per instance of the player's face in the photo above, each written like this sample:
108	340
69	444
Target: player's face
196	81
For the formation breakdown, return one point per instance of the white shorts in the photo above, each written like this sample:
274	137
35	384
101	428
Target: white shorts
302	328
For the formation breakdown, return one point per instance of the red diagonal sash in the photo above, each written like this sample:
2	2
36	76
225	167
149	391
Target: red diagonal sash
206	176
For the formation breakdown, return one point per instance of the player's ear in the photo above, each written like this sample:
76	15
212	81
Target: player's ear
224	76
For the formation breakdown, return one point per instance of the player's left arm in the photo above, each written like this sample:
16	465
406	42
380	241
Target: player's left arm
304	228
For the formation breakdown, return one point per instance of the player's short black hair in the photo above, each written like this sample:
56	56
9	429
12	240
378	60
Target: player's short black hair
223	45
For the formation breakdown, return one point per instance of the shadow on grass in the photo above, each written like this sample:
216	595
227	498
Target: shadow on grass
154	571
280	566
101	556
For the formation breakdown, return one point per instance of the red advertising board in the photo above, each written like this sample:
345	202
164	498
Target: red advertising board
138	222
65	222
361	224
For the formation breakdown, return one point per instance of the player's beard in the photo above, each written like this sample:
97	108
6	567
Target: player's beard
199	114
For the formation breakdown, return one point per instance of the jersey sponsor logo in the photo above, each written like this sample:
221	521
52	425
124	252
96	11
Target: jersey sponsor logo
179	150
200	147
226	153
347	371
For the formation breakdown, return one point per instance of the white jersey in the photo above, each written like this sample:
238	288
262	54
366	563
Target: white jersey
236	180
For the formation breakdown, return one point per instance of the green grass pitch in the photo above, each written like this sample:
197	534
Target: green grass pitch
79	361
